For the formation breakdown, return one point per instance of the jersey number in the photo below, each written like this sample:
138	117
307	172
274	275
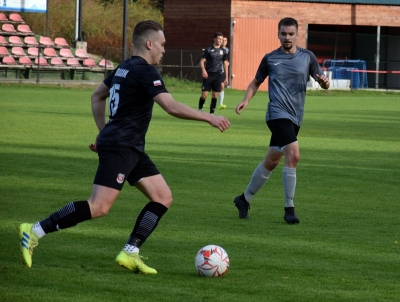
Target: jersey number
113	100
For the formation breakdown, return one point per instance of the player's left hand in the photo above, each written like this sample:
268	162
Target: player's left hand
93	147
323	81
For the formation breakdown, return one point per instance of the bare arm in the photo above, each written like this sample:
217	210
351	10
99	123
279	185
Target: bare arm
204	73
182	111
250	92
99	98
226	68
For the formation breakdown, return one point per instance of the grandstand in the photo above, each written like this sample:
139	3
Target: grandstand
22	52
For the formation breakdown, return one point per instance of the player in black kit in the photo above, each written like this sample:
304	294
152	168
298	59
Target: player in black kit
132	89
213	61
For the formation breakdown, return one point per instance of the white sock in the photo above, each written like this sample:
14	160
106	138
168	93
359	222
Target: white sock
38	230
258	179
131	248
289	185
221	98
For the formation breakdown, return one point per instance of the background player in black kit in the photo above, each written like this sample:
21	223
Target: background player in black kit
132	90
212	63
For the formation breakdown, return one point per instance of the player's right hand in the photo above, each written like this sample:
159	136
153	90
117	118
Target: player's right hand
220	122
93	147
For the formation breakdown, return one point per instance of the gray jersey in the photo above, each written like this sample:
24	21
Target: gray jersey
287	83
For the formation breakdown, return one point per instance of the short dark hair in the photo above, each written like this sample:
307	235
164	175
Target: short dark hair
288	22
217	34
143	28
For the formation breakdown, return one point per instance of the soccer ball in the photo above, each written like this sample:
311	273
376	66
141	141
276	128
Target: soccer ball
212	261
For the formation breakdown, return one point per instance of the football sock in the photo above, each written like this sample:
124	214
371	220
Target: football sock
201	102
68	216
221	97
213	105
146	222
289	185
38	230
131	248
258	179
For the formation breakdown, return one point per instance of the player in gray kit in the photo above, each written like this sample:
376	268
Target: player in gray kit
288	69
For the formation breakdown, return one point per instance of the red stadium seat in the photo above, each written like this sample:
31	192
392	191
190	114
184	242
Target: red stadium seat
61	42
46	41
42	61
3	17
106	63
33	51
50	52
16	18
15	40
25	61
66	53
24	28
4	51
30	41
81	53
56	62
3	41
9	61
89	63
8	28
17	51
73	62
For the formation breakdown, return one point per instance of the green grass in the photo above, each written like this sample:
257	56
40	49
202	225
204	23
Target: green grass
345	248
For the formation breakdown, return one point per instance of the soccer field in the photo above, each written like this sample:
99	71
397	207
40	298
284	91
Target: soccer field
346	247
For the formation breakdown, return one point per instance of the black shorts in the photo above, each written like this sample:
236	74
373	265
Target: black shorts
284	132
213	82
117	164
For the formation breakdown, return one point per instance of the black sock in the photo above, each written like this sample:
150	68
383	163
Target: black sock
146	222
201	102
213	105
66	217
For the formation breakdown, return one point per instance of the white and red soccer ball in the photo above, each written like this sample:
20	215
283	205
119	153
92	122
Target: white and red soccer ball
212	261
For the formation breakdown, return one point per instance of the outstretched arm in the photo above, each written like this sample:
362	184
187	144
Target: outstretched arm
250	92
182	111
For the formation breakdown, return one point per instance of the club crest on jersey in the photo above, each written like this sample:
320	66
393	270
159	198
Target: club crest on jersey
221	52
120	178
157	83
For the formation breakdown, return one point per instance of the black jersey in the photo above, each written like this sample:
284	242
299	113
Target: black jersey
215	58
133	85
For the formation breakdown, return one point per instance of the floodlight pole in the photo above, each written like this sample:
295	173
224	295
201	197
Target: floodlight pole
377	58
78	20
124	34
47	18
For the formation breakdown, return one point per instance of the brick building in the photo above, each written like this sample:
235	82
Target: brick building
332	29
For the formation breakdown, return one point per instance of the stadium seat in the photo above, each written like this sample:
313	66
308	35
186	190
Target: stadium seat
3	17
3	41
4	51
23	28
42	61
50	52
15	40
16	18
89	63
73	62
8	28
9	61
17	51
46	41
30	41
61	42
66	53
56	62
25	61
33	51
81	53
106	63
